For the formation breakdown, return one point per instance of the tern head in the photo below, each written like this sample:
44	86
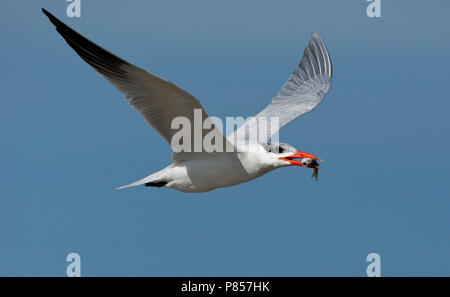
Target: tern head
285	155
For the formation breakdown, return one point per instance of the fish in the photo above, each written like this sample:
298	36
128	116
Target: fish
315	165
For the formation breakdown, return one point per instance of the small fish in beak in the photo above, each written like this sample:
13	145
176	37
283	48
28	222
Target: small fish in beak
313	163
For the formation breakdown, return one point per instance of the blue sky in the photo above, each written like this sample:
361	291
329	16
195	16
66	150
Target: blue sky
69	138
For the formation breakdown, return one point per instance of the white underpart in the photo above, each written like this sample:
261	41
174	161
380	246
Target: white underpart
202	175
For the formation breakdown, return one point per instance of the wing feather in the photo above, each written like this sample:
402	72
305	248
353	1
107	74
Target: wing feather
304	90
157	100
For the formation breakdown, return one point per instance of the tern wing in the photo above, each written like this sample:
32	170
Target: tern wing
304	90
159	101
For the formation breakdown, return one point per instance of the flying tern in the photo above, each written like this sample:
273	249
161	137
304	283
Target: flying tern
160	101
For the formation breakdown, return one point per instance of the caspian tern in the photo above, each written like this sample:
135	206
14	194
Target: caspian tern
159	101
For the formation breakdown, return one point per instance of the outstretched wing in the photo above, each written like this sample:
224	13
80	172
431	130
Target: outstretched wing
157	100
304	90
